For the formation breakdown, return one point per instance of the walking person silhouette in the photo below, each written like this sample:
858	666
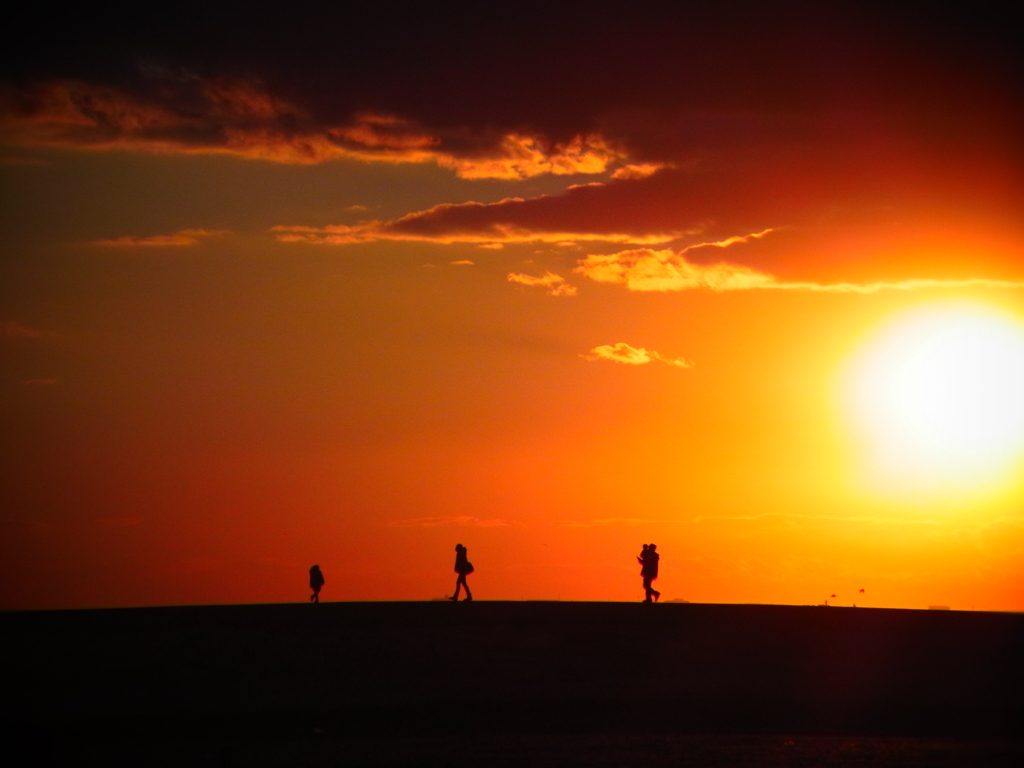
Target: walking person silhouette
316	581
648	560
462	567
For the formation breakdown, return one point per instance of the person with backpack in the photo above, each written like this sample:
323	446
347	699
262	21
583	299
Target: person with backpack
316	581
462	567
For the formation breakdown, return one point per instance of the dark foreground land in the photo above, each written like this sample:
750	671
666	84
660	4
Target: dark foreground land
512	684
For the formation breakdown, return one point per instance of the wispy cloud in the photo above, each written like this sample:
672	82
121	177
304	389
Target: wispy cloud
645	269
603	522
555	284
423	227
520	156
788	520
900	285
624	353
638	170
462	262
183	237
578	215
459	520
15	330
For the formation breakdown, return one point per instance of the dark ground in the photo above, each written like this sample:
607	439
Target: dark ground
512	684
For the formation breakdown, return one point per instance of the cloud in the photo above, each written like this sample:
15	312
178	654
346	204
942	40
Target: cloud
460	520
638	170
793	521
646	270
602	522
183	237
624	353
15	330
465	262
555	284
537	220
643	269
564	219
195	115
789	229
492	235
198	116
790	132
520	156
899	285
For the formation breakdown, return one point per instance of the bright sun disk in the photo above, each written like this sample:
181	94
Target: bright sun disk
938	397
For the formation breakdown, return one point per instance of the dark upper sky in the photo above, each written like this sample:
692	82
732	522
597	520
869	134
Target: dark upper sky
556	68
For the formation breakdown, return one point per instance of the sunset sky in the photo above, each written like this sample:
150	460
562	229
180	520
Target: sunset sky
348	284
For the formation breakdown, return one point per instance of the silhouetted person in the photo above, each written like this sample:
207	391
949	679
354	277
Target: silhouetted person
642	559
316	581
462	567
649	570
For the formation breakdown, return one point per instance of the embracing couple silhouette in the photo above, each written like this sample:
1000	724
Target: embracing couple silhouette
648	560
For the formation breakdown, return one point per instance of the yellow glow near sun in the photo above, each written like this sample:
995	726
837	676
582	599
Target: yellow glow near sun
937	394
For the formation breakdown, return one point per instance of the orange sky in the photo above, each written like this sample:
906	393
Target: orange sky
271	296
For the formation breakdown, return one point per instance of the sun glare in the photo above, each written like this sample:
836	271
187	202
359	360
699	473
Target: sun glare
937	394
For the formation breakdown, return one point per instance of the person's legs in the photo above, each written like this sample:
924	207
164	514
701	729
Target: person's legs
469	595
647	589
459	582
655	592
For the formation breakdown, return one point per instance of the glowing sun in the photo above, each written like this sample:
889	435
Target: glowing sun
938	396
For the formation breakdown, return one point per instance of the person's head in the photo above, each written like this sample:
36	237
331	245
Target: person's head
459	547
645	546
315	568
653	547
